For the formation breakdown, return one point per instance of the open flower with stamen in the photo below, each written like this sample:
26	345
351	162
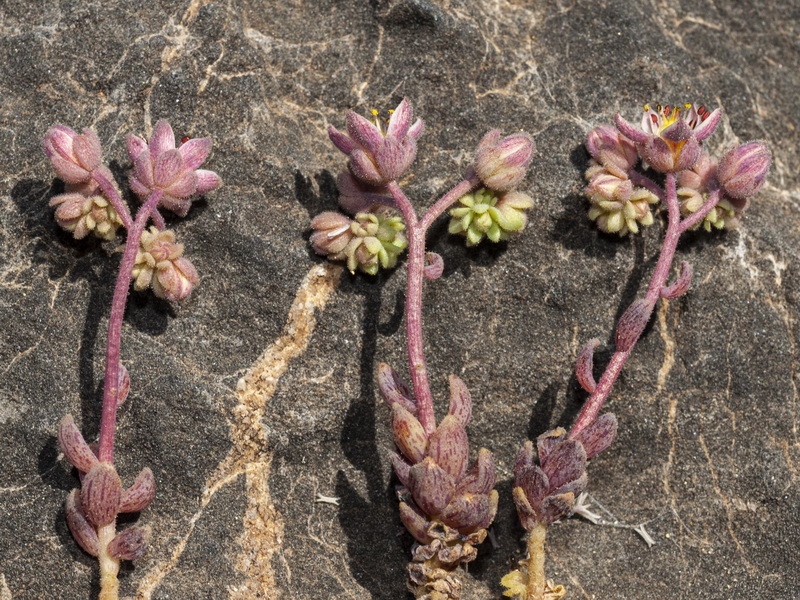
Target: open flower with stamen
159	165
378	156
671	137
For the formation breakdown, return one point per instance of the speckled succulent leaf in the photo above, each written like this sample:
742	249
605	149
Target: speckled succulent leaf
401	467
449	447
74	446
434	266
681	284
460	401
101	493
525	456
465	511
631	324
527	515
555	508
534	483
140	494
408	434
598	435
130	543
124	385
480	477
565	462
415	523
549	440
431	486
83	531
584	365
393	390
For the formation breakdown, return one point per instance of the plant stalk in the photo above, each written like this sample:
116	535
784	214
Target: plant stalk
111	383
536	582
109	567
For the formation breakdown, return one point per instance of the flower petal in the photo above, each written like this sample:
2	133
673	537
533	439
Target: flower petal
206	181
162	139
195	152
167	168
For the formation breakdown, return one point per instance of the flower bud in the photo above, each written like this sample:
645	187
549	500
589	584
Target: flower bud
160	265
377	241
742	171
484	213
73	156
84	213
331	234
501	163
612	150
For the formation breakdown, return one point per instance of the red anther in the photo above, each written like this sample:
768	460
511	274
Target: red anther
185	139
654	119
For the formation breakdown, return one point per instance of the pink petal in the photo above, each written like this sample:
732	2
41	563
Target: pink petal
67	170
88	150
180	206
162	139
167	167
629	131
207	181
137	186
363	131
136	146
143	169
707	127
195	151
340	140
185	185
400	120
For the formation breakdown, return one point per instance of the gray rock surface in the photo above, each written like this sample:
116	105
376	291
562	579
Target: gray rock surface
258	393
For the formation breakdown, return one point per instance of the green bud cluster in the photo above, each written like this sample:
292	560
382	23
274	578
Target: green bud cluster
485	213
377	241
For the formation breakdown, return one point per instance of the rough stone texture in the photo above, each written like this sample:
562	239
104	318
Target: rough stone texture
708	454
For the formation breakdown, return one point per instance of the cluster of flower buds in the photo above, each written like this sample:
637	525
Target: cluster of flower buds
447	506
546	492
485	213
102	497
495	210
161	266
159	165
670	140
616	204
371	241
82	208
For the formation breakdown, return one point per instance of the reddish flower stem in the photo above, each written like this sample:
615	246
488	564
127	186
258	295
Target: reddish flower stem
416	230
111	384
644	181
103	178
675	227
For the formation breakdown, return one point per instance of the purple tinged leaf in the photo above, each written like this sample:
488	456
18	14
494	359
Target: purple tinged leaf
68	171
416	130
534	483
162	139
480	477
679	131
584	365
555	508
401	467
140	494
575	487
489	140
391	158
194	152
391	387
363	132
565	462
525	512
449	447
143	171
434	266
129	544
184	186
87	149
631	324
124	385
415	523
681	284
598	435
466	511
135	146
101	494
549	440
400	121
494	499
83	531
430	486
408	434
74	446
460	401
525	457
166	168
